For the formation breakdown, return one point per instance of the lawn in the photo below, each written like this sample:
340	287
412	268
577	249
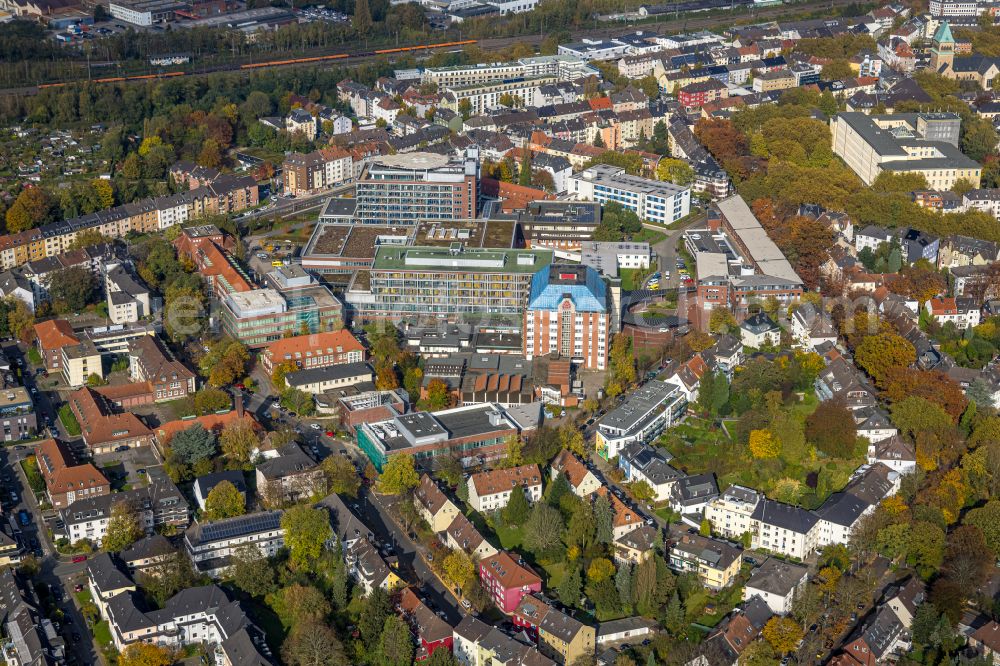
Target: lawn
510	537
102	633
554	574
648	236
83	596
34	476
69	421
34	357
631	278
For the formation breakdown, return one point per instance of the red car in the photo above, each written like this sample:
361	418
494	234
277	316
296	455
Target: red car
79	558
329	433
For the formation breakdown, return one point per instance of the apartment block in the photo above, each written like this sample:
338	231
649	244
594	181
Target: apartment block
491	491
653	200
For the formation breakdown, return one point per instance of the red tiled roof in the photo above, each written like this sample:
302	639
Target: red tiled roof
55	334
215	422
315	344
598	103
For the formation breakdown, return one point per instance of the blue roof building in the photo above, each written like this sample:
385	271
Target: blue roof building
567	316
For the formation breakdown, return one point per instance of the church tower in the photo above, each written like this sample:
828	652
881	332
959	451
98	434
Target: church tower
943	50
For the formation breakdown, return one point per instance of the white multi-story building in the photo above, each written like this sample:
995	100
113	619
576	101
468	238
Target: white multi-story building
952	8
211	545
466	75
652	200
645	414
776	583
785	529
490	491
731	514
128	300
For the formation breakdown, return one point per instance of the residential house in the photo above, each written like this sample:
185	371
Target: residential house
65	481
637	545
880	640
732	636
479	644
583	482
433	506
716	563
642	463
159	504
290	477
759	330
962	312
211	545
731	514
896	453
368	569
906	598
462	535
491	490
432	633
507	580
689	495
51	336
777	583
785	529
560	637
810	328
203	485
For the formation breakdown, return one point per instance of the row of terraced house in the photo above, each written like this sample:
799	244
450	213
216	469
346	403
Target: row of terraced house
225	195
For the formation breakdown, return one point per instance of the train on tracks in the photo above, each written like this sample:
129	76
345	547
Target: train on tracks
275	63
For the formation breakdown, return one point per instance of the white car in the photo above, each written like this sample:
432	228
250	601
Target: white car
315	426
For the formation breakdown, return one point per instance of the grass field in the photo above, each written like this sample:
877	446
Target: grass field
648	236
102	633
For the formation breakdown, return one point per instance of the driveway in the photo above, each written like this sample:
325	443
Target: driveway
666	249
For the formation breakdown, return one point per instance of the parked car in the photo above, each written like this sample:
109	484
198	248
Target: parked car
76	560
23	517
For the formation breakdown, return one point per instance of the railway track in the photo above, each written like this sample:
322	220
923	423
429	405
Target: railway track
677	24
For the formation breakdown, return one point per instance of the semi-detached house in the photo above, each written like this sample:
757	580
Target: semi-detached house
491	491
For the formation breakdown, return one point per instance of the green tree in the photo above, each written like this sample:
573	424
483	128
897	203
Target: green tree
395	646
239	441
925	547
979	138
306	529
524	170
72	289
604	519
399	475
224	501
194	444
123	528
251	571
299	604
298	401
571	587
341	476
375	609
313	644
543	529
675	171
783	634
362	21
517	509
